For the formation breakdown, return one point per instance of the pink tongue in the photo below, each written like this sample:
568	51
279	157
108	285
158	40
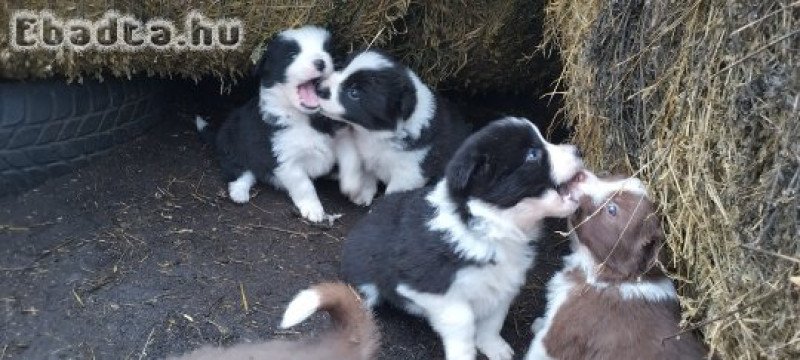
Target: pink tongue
308	96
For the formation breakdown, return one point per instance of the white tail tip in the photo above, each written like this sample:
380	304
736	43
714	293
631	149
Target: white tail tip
302	306
200	122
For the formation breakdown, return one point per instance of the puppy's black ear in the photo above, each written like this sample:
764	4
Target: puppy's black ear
261	69
461	170
638	249
408	99
327	46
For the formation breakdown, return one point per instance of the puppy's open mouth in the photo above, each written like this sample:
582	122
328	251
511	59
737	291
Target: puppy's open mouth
568	189
308	94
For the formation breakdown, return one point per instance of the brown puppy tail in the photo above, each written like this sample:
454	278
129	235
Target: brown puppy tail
352	322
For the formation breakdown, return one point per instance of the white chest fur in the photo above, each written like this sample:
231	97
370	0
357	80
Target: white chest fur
301	145
490	286
388	161
560	288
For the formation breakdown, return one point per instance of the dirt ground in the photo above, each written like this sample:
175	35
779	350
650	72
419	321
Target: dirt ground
140	255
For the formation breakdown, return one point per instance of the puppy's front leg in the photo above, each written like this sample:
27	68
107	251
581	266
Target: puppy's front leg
301	189
488	335
455	324
239	189
404	179
354	181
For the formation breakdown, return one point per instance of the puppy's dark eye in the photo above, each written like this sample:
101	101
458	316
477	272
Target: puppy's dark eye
534	154
353	93
612	209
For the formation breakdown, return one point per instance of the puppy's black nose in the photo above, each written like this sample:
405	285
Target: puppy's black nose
319	64
323	93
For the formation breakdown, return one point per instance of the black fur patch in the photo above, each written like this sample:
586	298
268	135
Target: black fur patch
244	143
325	125
392	245
271	68
444	134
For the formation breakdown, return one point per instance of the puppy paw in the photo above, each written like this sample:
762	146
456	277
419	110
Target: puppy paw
238	194
311	211
331	218
360	192
350	187
495	348
365	194
405	184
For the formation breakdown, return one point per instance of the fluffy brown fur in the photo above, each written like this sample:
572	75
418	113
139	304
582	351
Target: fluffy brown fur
611	301
354	335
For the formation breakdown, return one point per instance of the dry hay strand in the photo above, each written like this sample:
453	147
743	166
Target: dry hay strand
364	24
704	98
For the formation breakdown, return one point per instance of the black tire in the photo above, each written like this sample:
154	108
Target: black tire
49	127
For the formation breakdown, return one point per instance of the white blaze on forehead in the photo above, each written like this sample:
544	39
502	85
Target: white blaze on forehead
600	190
368	60
521	121
307	36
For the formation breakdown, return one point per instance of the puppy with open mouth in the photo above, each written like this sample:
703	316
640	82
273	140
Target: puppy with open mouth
276	137
401	133
611	301
457	252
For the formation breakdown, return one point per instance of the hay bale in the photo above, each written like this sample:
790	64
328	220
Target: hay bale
477	45
702	99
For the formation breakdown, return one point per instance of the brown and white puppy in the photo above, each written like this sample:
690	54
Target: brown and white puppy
610	301
354	335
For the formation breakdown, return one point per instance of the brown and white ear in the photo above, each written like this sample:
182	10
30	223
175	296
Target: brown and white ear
649	254
643	252
650	249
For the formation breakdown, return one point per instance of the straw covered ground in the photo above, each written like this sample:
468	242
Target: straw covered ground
700	98
475	45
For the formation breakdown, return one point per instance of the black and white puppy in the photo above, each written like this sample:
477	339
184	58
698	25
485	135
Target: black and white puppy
402	133
274	138
456	252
